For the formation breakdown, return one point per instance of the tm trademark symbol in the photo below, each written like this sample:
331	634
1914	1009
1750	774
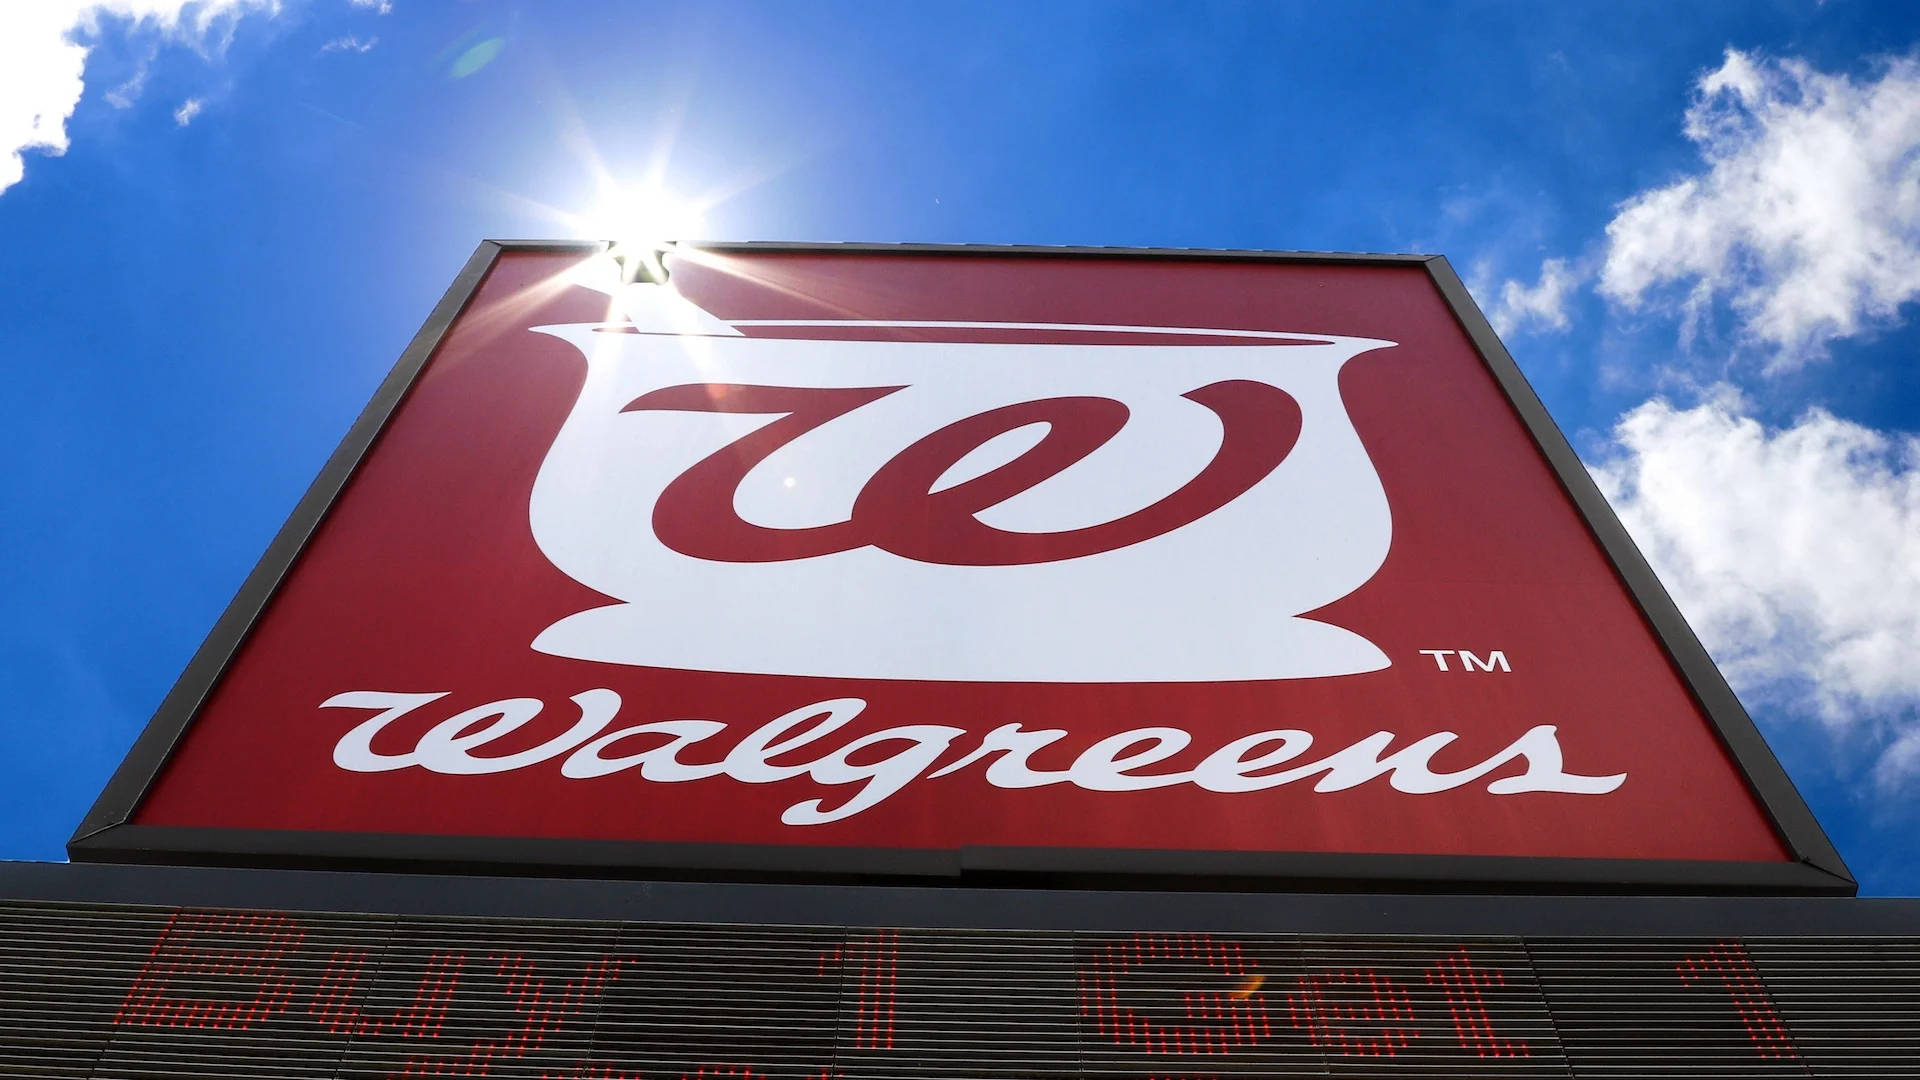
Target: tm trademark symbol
1469	661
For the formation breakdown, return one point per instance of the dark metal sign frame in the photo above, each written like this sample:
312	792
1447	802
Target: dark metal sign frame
107	834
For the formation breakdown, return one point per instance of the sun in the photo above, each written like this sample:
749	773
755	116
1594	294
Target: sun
644	215
640	224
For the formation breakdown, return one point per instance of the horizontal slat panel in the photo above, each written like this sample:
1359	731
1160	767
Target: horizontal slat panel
132	993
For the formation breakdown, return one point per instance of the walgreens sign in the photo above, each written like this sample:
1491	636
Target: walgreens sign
927	562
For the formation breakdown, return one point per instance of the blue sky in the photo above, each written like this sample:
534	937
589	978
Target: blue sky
1698	226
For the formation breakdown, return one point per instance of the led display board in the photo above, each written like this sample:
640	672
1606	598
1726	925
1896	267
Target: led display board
976	562
95	991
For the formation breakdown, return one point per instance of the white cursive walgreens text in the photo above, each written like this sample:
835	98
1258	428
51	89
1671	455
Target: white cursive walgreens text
1115	763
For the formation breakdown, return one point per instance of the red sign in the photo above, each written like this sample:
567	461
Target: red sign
909	561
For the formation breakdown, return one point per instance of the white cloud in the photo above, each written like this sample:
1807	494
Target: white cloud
380	7
188	109
1543	305
1805	216
1795	551
43	55
350	43
124	95
1900	762
39	84
1795	554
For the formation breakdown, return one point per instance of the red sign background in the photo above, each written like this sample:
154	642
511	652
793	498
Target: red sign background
424	578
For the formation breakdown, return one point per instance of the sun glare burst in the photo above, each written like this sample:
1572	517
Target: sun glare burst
645	215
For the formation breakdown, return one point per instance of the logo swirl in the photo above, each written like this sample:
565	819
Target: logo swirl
902	511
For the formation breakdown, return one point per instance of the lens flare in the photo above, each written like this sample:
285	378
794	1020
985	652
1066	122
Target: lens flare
475	58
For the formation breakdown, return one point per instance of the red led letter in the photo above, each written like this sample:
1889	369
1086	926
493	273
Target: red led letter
199	947
876	956
1386	1001
1729	964
1462	981
1224	1010
543	1013
421	1019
